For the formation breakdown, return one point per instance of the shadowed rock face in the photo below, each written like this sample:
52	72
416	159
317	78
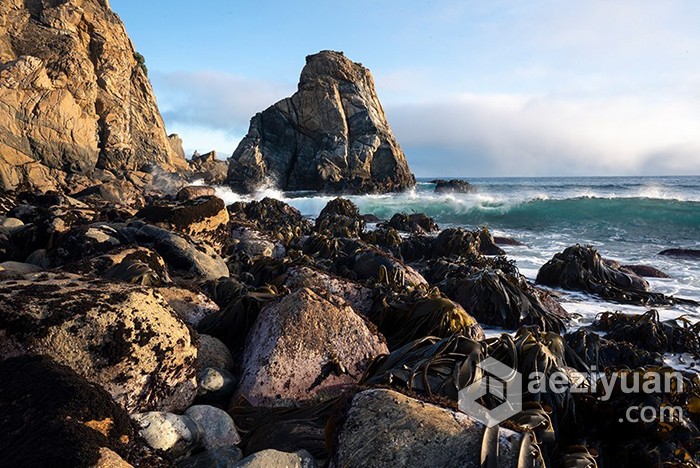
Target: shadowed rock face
74	96
331	135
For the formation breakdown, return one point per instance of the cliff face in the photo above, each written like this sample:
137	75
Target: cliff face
331	135
73	96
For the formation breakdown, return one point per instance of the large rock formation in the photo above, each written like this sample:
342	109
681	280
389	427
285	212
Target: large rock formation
74	95
331	135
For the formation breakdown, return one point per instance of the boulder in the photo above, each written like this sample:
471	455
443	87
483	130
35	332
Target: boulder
453	186
192	192
358	296
272	217
133	265
18	268
212	352
305	347
331	135
169	432
215	425
191	306
122	337
75	97
184	257
254	244
215	385
271	458
646	271
386	428
204	218
54	417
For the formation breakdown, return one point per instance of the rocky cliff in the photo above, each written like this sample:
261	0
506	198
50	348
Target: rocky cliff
74	96
331	135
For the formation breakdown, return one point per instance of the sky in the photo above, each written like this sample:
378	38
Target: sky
470	88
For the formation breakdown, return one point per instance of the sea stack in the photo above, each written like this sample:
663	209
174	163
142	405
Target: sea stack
331	136
76	97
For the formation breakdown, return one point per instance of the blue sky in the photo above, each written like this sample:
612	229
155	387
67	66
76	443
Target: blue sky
497	88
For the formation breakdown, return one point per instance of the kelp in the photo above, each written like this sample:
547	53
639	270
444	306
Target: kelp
429	366
273	217
418	223
648	332
232	323
581	268
509	301
387	239
406	316
285	429
340	218
596	351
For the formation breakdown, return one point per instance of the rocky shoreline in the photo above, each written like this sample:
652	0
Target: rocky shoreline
250	331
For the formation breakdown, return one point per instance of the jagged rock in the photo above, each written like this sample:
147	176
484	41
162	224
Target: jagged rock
357	295
203	219
208	168
192	192
331	135
417	223
386	428
183	256
212	352
216	426
122	337
305	347
74	97
52	416
271	458
453	186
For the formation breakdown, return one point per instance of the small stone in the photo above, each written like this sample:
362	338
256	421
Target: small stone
216	384
10	223
215	425
212	352
222	457
275	459
168	432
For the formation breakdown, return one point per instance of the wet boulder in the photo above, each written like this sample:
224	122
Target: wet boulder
370	263
458	242
581	268
595	350
453	186
122	337
184	256
53	416
689	254
417	223
340	218
646	271
305	347
204	218
386	428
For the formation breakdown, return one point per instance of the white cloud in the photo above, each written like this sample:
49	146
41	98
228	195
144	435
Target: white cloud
512	135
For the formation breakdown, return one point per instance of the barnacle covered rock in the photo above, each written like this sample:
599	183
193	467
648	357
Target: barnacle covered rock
122	337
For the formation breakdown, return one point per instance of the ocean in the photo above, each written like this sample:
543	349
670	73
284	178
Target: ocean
628	219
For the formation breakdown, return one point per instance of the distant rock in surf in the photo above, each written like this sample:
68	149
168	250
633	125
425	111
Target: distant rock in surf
682	253
331	135
453	186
